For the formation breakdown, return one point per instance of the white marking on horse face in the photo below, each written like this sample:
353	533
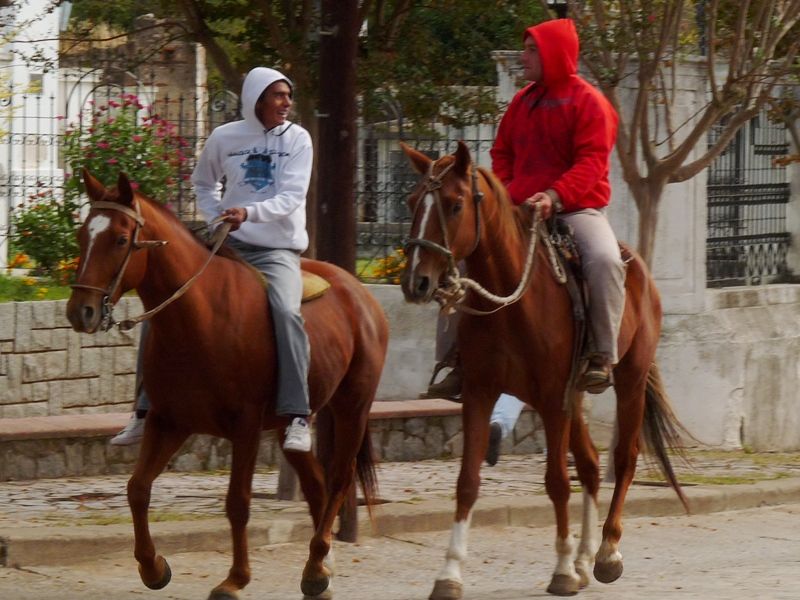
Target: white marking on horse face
457	551
96	225
426	208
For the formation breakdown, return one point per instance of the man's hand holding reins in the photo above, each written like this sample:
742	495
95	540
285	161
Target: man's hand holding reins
546	201
235	216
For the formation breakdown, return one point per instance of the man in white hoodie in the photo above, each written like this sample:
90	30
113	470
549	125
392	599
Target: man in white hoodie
255	172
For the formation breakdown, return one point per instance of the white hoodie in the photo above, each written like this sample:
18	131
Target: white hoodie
265	171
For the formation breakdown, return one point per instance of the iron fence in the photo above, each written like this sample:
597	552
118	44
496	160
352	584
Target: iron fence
748	194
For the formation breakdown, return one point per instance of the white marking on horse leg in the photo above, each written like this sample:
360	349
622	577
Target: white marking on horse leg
608	553
428	200
457	551
565	553
328	561
586	549
96	225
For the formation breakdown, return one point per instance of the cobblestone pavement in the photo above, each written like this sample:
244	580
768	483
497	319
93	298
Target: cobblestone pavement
102	500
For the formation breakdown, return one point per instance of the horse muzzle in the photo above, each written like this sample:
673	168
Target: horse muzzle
85	312
417	288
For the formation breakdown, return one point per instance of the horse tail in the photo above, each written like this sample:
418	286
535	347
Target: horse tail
365	471
662	429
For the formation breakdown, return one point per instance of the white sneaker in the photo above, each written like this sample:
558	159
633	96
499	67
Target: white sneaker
132	434
298	436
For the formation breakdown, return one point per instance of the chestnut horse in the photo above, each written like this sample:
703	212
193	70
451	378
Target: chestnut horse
209	367
462	212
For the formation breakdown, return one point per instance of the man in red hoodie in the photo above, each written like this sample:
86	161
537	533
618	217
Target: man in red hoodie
553	148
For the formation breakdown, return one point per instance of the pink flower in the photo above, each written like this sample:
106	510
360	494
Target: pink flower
103	145
114	104
134	185
137	138
112	161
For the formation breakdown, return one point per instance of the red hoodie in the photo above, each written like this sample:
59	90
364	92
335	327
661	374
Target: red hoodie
559	132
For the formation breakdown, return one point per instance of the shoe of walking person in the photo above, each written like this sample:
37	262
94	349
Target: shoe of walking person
131	434
298	436
495	437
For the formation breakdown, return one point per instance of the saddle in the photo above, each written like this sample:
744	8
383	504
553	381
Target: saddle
314	286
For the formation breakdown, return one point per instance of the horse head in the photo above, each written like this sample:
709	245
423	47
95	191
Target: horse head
445	226
109	262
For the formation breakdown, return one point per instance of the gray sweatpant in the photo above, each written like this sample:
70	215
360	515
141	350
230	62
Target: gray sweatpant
604	271
285	292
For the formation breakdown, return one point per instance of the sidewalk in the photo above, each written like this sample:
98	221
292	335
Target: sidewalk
59	521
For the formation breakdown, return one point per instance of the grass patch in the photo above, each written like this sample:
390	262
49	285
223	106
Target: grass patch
23	289
698	479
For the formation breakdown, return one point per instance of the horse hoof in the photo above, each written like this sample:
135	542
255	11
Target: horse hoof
165	578
315	586
326	595
220	594
563	585
607	572
447	589
583	575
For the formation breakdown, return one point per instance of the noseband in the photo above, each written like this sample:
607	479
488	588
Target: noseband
432	185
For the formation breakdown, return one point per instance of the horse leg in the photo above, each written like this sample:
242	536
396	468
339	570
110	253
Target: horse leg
237	508
630	388
565	580
159	443
348	435
475	419
587	465
312	483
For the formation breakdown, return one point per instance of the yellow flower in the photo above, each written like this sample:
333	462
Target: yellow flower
41	293
29	281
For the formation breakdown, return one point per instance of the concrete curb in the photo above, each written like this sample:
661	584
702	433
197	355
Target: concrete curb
26	546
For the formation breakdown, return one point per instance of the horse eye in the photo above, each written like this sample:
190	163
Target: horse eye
122	240
457	206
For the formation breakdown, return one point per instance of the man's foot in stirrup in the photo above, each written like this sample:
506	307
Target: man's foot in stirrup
448	388
132	434
298	436
597	377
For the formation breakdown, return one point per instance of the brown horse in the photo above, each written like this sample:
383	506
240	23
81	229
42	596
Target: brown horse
461	212
209	367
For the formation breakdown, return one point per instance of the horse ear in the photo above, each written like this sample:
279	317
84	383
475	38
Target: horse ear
125	189
463	159
418	160
94	188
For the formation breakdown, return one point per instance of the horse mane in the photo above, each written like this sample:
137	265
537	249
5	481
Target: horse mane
508	217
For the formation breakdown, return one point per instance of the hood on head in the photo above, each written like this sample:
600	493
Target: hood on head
255	83
558	45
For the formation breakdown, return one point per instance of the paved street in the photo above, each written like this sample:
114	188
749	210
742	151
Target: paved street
738	555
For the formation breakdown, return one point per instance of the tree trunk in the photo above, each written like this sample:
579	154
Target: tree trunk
648	199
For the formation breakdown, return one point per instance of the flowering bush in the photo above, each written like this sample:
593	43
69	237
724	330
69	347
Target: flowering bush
124	136
44	230
121	136
390	268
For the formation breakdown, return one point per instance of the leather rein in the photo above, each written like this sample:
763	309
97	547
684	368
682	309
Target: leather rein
107	308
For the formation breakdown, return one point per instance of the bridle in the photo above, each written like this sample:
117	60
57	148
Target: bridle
432	185
107	303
